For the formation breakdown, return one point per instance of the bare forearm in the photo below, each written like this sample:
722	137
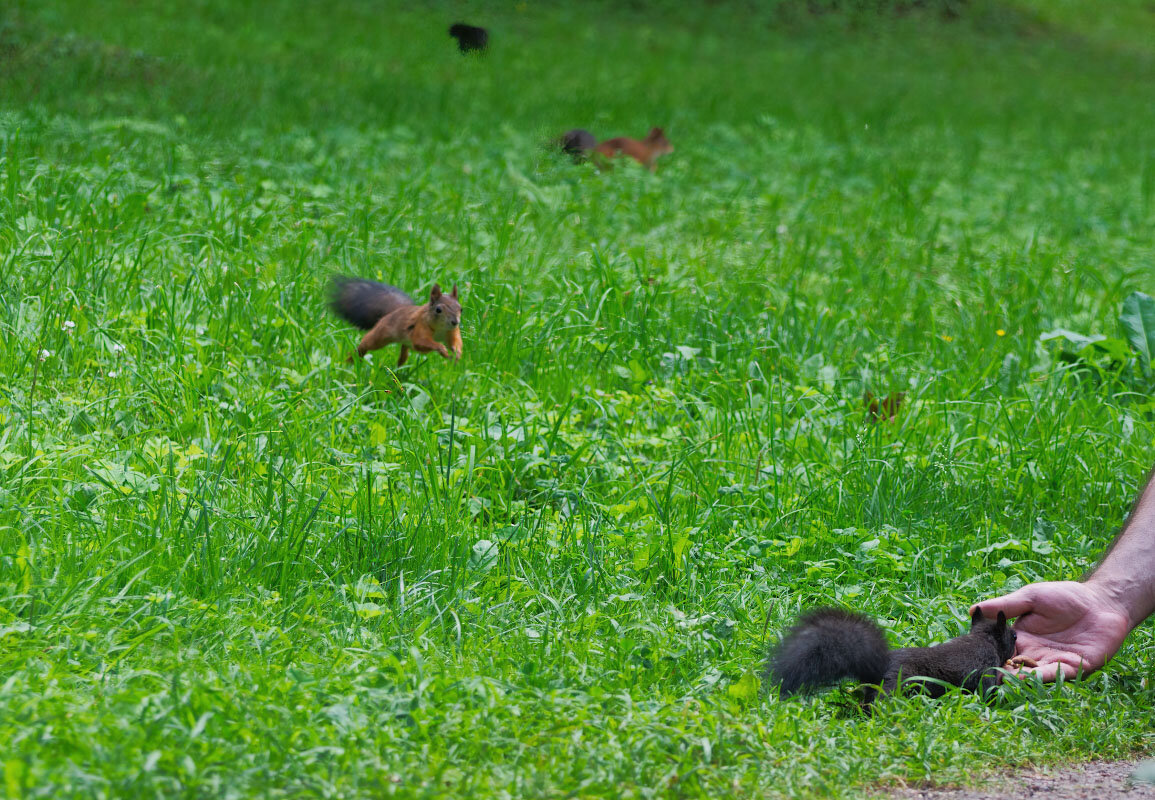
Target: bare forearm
1127	572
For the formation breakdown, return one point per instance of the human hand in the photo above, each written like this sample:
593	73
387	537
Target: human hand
1064	626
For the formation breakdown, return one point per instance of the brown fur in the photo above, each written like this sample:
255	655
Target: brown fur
882	407
425	328
645	152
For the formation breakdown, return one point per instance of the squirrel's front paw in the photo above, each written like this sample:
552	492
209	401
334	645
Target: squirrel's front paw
1019	662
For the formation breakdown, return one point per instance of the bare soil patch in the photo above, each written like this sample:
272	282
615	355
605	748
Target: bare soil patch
1094	781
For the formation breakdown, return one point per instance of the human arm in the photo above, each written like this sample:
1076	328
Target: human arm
1068	627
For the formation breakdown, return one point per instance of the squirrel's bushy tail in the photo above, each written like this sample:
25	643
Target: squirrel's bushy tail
363	302
827	645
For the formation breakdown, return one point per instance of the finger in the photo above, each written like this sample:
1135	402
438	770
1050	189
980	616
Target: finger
1049	673
1072	672
1015	604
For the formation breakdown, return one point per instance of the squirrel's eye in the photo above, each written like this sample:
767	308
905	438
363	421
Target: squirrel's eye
437	309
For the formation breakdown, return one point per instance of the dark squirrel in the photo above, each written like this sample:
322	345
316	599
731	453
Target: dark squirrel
829	644
470	38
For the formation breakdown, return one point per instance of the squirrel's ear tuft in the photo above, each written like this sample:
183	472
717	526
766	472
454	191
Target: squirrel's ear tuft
1001	622
977	617
453	294
434	293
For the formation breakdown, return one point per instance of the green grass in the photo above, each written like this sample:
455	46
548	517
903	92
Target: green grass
232	565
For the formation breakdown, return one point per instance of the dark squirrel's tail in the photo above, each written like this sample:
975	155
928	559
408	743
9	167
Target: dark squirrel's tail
363	302
827	645
576	143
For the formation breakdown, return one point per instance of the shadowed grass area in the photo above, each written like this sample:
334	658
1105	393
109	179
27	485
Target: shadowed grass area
233	565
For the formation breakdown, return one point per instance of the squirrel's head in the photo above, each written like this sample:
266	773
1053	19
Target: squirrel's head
998	629
656	138
444	309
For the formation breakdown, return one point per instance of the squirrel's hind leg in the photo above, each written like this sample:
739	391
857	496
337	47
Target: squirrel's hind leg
375	339
404	355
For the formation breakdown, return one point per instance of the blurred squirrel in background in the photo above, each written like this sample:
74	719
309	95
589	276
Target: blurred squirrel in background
580	143
645	152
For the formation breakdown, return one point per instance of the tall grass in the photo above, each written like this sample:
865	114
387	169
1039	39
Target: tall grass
232	564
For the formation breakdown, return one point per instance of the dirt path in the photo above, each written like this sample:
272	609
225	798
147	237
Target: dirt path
1098	780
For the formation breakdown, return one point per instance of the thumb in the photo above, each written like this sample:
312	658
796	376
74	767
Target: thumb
1015	604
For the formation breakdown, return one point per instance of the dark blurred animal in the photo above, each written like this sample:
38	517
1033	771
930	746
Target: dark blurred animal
470	38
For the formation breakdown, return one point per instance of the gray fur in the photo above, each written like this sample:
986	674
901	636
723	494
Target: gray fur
363	302
577	143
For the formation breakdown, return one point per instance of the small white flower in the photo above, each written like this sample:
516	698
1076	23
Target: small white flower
117	347
46	354
781	230
112	373
68	325
225	270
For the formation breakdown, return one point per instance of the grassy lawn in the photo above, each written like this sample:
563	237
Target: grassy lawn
233	565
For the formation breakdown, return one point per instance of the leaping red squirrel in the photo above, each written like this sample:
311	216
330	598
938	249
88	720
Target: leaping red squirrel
392	317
